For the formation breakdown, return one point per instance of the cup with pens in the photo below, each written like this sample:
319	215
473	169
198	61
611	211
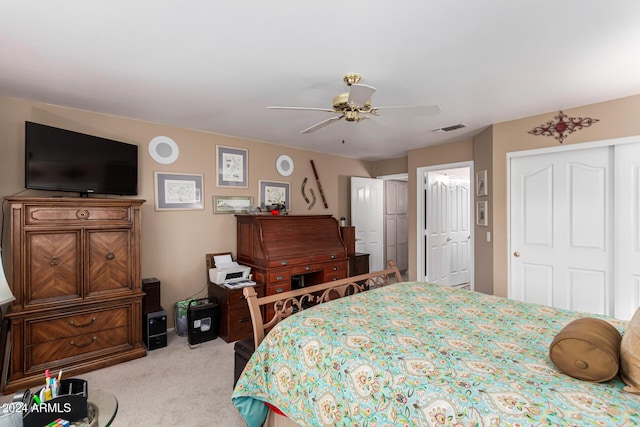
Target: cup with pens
59	398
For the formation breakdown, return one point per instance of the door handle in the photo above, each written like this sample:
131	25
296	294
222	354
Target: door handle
516	254
448	239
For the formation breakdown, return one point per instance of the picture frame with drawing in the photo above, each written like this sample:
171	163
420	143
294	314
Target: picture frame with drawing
274	193
482	213
232	204
482	184
232	167
178	191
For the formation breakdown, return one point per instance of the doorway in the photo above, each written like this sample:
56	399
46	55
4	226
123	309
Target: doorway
445	216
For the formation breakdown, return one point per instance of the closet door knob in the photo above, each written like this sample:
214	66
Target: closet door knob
516	254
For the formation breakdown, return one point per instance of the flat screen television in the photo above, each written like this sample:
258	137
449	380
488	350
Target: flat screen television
63	160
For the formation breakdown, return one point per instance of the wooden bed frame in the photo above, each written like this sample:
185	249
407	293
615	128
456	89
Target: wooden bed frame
287	303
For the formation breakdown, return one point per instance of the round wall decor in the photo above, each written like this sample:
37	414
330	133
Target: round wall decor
164	150
284	165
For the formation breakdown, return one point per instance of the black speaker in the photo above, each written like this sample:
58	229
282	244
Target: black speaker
154	330
151	300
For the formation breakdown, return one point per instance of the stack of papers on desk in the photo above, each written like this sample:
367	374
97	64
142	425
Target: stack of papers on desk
239	284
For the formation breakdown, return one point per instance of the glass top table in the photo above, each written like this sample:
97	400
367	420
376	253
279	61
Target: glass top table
103	407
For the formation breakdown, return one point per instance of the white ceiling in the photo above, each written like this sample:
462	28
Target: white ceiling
215	65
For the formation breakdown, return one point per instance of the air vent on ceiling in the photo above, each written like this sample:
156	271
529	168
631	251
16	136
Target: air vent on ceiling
450	128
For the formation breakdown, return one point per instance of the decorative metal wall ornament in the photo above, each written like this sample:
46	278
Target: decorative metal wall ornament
563	126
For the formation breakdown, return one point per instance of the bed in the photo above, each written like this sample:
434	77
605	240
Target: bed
417	354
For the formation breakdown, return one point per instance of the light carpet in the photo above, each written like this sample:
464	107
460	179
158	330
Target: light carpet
172	386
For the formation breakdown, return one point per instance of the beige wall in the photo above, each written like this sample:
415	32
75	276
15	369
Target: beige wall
617	118
453	152
174	243
389	167
483	255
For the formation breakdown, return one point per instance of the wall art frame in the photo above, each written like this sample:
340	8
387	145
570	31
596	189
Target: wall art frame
232	204
482	213
178	191
482	185
274	192
232	167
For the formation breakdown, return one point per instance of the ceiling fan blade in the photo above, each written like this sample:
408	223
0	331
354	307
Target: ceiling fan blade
327	110
360	94
322	124
427	110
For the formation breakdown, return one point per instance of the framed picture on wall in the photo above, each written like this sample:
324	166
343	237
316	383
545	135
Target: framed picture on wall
482	184
482	212
233	167
231	204
274	193
178	191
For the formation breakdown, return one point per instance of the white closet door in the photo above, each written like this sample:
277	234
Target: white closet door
561	229
627	230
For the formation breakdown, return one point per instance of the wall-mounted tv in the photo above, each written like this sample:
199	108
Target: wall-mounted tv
63	160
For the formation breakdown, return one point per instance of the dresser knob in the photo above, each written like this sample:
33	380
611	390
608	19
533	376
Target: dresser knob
82	214
110	256
308	267
54	261
284	262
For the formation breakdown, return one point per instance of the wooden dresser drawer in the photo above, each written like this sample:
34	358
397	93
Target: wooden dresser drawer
45	215
71	326
64	348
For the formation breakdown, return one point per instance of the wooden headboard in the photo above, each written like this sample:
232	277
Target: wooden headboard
287	303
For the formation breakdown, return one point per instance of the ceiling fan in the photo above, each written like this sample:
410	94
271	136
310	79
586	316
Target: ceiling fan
355	105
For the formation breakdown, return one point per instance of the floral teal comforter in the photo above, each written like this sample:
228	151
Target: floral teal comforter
415	354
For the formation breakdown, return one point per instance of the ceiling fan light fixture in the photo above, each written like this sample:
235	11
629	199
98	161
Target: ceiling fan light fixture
355	105
351	78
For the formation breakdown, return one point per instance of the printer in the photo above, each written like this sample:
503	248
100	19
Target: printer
228	271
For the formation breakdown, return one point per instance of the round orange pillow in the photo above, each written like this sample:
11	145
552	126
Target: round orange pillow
587	349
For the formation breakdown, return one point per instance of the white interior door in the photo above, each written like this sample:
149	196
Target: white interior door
447	229
627	230
367	216
561	229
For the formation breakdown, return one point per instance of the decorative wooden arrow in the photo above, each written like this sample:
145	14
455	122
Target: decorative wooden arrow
315	173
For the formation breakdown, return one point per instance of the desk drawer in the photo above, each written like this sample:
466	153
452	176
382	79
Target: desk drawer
336	268
278	288
237	299
240	323
71	326
279	276
306	268
58	350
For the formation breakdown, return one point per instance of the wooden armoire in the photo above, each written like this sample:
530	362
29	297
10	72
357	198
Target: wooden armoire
75	274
